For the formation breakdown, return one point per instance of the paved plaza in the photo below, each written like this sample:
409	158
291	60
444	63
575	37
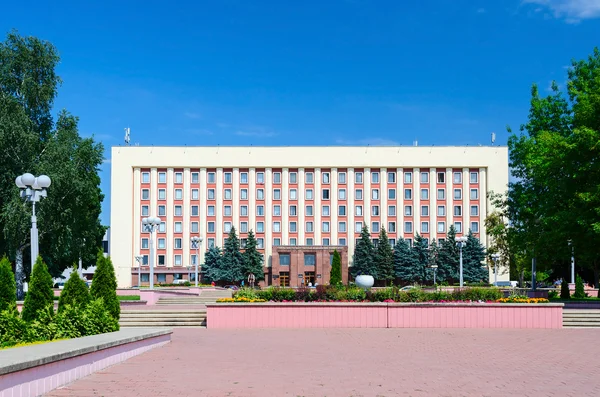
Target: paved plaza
357	362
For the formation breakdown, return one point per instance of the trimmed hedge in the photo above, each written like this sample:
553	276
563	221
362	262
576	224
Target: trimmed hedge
8	286
74	293
40	294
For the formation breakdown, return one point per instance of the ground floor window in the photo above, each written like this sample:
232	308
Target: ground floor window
177	276
161	278
284	279
309	278
145	278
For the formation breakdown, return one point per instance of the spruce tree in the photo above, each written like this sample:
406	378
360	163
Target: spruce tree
448	258
420	253
104	285
579	288
253	259
363	262
212	269
8	286
74	293
433	261
565	293
474	271
40	294
335	275
384	258
232	261
405	266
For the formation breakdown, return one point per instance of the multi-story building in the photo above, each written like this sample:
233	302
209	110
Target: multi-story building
292	196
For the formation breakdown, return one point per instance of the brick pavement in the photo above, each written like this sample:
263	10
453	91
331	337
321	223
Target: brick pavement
357	362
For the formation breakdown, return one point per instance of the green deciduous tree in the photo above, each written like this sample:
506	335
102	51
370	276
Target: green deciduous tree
364	262
335	275
232	261
40	294
104	285
253	259
212	267
384	257
8	287
75	292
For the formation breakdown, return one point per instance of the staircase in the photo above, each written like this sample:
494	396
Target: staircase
167	317
581	318
202	299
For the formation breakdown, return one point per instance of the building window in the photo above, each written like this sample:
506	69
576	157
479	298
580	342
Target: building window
260	210
309	210
424	210
211	210
293	177
162	194
358	194
284	259
260	227
276	210
341	227
195	194
441	194
408	210
145	194
194	227
375	227
359	210
293	227
342	210
178	210
178	194
193	259
145	177
342	241
210	177
178	227
375	210
211	242
325	227
325	210
474	210
162	210
195	177
325	178
227	194
260	177
276	242
474	194
441	227
277	194
243	227
325	241
391	177
358	227
162	228
293	194
244	210
458	177
474	177
277	178
391	210
177	243
144	243
308	177
424	194
391	194
424	177
260	243
260	194
309	194
325	194
342	194
145	210
293	211
408	177
441	177
178	177
194	210
211	194
162	244
342	178
162	177
407	194
375	194
358	177
309	227
424	227
458	227
226	227
244	194
457	210
277	227
441	210
210	227
391	227
284	279
161	260
475	227
309	241
310	259
408	227
375	177
244	177
227	210
457	194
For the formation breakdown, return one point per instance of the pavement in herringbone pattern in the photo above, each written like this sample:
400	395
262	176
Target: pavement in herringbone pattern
357	362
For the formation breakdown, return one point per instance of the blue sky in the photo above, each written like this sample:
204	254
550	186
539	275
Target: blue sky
329	72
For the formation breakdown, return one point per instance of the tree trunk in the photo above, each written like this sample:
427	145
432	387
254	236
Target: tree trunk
19	274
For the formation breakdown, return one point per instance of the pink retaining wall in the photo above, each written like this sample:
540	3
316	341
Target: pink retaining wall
39	380
383	315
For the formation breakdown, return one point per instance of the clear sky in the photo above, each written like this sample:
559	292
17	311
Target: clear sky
283	72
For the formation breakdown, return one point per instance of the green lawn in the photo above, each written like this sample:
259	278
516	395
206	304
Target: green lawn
128	297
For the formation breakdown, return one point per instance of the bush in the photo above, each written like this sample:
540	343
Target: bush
579	290
40	294
70	322
552	294
13	329
8	286
246	293
43	328
564	290
97	320
277	294
478	294
74	293
335	275
104	285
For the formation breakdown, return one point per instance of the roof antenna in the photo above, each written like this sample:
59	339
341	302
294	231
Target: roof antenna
127	136
493	138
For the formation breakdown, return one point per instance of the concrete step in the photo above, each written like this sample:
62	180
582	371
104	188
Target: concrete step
160	320
581	325
163	311
130	317
164	324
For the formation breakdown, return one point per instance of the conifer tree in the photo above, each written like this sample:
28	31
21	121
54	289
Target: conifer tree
420	253
335	277
74	293
104	285
384	258
405	265
232	262
474	271
253	259
40	294
364	255
579	288
448	258
8	286
212	267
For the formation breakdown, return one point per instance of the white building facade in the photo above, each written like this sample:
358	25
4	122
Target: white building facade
293	196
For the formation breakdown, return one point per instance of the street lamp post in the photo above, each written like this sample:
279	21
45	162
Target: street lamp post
139	259
495	258
32	190
434	267
196	241
461	242
572	262
150	225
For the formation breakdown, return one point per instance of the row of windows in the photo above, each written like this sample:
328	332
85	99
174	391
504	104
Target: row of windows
325	210
309	177
309	194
